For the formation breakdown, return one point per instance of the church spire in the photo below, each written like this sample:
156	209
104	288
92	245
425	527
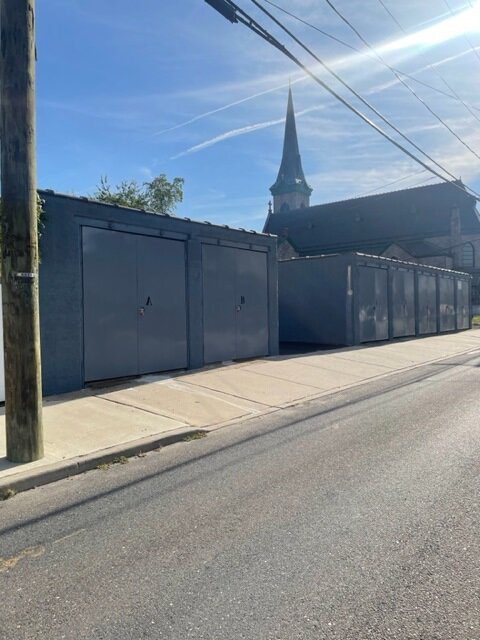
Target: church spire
290	190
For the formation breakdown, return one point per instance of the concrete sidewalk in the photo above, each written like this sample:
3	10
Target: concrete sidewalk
96	425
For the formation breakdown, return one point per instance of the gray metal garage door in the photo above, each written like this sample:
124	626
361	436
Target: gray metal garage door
235	303
134	304
463	304
447	304
427	304
403	303
373	304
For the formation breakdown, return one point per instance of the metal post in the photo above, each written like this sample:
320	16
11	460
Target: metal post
23	388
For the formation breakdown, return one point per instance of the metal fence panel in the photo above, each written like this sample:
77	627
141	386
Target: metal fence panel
403	302
463	304
373	304
447	303
427	304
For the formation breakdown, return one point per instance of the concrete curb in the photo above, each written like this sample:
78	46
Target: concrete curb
25	480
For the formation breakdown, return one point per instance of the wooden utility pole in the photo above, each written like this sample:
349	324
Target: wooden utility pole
23	384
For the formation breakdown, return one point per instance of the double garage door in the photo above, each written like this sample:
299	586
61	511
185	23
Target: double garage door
235	303
135	304
374	287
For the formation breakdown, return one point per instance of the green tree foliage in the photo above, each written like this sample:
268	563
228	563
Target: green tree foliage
159	196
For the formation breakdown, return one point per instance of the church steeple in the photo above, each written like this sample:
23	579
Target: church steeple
291	190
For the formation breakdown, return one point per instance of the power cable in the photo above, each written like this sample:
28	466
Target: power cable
418	184
389	184
400	79
234	13
364	52
433	68
347	86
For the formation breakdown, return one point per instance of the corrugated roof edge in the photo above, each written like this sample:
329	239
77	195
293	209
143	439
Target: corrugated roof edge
370	257
51	192
382	193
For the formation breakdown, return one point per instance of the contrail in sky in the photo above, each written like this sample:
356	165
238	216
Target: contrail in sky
392	83
435	34
228	134
240	132
228	106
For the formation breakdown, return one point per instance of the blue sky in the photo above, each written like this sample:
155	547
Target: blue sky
119	81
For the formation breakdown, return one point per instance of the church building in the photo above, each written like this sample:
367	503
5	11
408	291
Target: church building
437	225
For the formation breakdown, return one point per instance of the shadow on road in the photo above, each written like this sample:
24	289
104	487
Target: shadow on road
434	369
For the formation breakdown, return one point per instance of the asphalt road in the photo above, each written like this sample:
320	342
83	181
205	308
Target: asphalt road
351	518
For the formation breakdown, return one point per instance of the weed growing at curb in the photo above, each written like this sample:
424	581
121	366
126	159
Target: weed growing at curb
6	494
104	466
198	435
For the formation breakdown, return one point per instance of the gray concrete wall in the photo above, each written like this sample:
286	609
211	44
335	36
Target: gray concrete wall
61	287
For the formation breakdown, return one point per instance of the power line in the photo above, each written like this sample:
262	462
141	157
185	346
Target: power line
434	69
347	86
389	184
367	53
400	79
234	13
472	46
392	16
354	200
418	184
309	24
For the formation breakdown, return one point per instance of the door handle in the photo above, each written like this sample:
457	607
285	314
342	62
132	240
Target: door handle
141	311
238	308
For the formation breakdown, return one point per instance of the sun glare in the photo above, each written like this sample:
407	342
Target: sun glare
468	21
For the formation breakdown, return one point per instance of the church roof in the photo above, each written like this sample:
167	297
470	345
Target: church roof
290	176
373	223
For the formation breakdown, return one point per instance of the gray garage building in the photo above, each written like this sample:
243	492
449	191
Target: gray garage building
348	299
126	292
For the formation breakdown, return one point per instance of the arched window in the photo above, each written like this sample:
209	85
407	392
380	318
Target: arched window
284	208
468	255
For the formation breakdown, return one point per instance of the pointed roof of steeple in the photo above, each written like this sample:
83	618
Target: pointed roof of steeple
290	176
